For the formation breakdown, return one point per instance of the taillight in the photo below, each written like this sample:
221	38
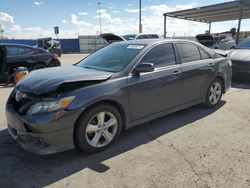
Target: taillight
55	56
229	62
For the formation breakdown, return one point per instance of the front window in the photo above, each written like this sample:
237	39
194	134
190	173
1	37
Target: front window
112	58
161	55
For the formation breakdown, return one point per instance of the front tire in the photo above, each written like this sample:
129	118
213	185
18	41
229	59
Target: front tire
98	128
214	93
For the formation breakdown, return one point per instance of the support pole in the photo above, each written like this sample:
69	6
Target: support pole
100	19
165	26
209	30
239	24
140	25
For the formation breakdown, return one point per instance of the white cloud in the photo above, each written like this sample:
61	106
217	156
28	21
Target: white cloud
154	22
115	21
64	21
133	10
38	32
103	14
75	21
159	10
4	17
82	13
2	27
38	3
16	28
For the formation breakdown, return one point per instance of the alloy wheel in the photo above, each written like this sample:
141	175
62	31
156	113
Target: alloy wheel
101	129
215	92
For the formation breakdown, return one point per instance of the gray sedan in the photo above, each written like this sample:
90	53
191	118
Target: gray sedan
86	106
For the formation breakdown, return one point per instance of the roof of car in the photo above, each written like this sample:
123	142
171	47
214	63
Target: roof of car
152	41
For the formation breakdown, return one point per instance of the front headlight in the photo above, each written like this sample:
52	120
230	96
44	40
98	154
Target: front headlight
50	105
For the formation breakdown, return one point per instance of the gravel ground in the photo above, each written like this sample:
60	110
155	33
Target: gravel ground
196	147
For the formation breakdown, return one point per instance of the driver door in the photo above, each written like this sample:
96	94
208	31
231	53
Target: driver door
157	91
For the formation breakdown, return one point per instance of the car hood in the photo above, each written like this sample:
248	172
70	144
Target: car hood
49	79
240	55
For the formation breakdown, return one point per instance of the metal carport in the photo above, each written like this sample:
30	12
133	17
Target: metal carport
234	10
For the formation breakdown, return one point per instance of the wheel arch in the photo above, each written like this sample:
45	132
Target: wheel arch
111	102
221	78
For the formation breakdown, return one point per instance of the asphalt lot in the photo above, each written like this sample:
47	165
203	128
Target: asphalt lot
196	147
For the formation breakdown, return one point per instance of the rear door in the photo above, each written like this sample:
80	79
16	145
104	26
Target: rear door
197	70
156	91
19	56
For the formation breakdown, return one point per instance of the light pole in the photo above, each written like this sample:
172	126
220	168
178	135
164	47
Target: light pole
100	20
1	31
140	25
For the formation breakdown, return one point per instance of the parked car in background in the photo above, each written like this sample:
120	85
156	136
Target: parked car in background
16	55
50	45
124	84
147	36
185	38
240	57
206	40
224	42
129	36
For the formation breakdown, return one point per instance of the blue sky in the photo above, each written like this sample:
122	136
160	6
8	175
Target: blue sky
32	19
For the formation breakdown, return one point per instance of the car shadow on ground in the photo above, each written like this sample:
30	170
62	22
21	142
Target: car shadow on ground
241	84
19	168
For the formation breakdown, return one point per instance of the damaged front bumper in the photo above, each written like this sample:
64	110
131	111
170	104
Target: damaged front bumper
43	134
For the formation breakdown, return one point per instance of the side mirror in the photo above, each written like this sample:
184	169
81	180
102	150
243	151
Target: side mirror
143	67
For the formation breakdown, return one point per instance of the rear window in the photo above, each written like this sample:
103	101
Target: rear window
188	52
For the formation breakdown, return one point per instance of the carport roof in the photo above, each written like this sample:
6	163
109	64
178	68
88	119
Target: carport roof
214	13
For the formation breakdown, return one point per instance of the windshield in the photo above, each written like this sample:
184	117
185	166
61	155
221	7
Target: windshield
112	58
245	44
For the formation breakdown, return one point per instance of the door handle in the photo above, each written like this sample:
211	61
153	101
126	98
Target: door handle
211	64
176	73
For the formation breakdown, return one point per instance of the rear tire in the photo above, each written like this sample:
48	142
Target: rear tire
214	93
98	128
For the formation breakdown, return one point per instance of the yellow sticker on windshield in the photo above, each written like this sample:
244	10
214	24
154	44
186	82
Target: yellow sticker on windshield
137	47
